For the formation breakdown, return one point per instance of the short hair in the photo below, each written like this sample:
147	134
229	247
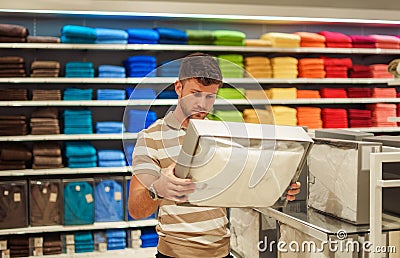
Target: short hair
202	67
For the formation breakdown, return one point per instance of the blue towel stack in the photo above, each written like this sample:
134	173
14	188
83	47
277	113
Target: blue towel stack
116	239
135	93
80	155
78	34
78	122
108	202
149	238
110	94
141	66
111	71
143	36
169	69
129	147
111	36
128	182
167	94
110	127
83	242
139	120
77	94
79	70
111	158
172	36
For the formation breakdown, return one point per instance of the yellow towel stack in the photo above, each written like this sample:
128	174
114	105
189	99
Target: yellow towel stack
258	116
282	39
258	67
258	43
285	115
256	94
284	67
283	93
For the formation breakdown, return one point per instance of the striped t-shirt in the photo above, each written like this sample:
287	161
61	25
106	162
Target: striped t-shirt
184	231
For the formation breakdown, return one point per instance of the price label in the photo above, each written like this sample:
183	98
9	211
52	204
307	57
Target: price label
89	198
44	190
118	196
53	197
17	197
6	193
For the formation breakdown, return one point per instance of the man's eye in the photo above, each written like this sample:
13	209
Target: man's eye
197	94
210	96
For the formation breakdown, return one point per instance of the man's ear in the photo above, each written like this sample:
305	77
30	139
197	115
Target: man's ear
178	88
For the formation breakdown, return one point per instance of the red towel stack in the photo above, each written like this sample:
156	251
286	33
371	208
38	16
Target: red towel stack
386	41
360	118
381	113
310	117
360	71
311	68
334	118
380	71
333	93
336	39
360	41
309	39
359	92
337	67
398	113
384	93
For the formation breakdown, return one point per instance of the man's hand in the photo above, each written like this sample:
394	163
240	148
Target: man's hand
171	187
294	190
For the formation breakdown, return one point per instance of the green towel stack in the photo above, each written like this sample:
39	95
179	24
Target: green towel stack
231	93
229	38
227	116
200	37
231	65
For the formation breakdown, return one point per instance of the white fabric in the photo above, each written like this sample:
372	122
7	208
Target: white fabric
224	170
334	189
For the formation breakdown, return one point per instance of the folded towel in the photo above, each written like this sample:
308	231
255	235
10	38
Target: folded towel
258	43
111	68
172	34
75	31
167	94
110	94
335	37
42	39
110	155
79	149
282	39
12	30
147	35
138	120
229	35
110	34
200	35
78	65
109	127
141	59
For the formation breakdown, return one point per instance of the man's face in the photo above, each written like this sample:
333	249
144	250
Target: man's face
195	99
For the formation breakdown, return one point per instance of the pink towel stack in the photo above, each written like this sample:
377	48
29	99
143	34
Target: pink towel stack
380	71
360	118
336	39
381	113
384	93
337	67
360	41
386	41
360	71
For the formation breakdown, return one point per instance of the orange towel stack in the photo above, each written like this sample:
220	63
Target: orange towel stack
309	39
308	94
384	93
381	113
258	67
283	93
386	41
380	71
310	117
284	67
311	68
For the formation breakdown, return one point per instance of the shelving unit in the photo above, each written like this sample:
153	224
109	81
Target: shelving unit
142	253
65	171
68	137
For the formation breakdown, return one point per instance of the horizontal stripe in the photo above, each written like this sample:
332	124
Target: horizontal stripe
169	152
165	135
222	232
179	210
145	150
147	166
195	226
191	217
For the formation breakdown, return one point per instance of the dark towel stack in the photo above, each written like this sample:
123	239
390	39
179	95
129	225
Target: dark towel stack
149	238
360	71
46	94
79	70
360	118
361	41
52	244
13	125
45	121
167	94
19	246
12	66
200	37
334	118
13	94
14	156
10	33
45	69
142	36
116	239
46	155
78	34
141	66
42	39
359	92
78	122
172	36
80	155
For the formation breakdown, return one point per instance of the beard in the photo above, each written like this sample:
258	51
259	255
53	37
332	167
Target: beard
192	114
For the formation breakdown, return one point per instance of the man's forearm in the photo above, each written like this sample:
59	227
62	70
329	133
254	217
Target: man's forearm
140	205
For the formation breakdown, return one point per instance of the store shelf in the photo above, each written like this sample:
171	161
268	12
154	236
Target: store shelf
64	171
68	137
129	252
165	47
169	80
366	129
95	226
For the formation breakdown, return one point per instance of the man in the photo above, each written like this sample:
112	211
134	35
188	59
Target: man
183	231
